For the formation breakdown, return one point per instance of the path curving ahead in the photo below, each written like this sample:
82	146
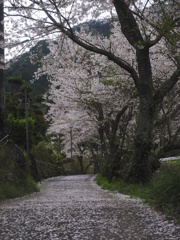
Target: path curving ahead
75	208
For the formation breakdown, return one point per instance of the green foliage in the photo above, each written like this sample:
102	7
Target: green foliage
14	164
17	129
38	98
16	123
15	80
25	68
15	178
8	190
48	163
165	188
107	82
80	165
26	86
57	158
20	122
30	185
40	127
163	192
176	162
42	152
105	184
13	104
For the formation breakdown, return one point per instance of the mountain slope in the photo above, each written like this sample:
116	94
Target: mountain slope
24	68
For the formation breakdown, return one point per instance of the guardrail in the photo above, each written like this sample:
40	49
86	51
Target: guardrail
169	158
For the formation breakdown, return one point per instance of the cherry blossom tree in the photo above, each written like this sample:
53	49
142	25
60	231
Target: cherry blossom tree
143	26
89	98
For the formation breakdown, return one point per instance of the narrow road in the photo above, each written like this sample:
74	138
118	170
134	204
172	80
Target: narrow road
75	208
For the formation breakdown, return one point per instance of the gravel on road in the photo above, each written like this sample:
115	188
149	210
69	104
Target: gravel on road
75	208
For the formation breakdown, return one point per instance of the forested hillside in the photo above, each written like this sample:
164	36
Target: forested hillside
24	68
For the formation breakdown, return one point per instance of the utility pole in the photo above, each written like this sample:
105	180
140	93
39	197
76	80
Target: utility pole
59	143
2	79
27	127
71	150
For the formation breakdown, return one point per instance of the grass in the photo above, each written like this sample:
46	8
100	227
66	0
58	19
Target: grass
119	185
163	192
8	190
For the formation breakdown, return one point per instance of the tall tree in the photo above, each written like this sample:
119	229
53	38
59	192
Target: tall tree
143	27
2	91
88	97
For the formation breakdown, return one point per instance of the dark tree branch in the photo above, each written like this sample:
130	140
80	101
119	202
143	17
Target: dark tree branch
166	87
128	23
88	46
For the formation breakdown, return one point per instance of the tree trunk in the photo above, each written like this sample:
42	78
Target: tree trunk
2	92
80	159
140	170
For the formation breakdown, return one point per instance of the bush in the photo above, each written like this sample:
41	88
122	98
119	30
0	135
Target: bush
165	188
15	179
8	190
30	185
14	166
17	129
48	164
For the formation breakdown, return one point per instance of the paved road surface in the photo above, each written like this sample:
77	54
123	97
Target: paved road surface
75	208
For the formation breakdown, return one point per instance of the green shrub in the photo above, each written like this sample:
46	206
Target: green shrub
42	151
15	179
165	188
14	164
48	164
17	129
8	190
56	158
30	185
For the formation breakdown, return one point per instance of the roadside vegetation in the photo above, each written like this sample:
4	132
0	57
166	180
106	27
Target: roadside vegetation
15	172
21	170
162	192
7	190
